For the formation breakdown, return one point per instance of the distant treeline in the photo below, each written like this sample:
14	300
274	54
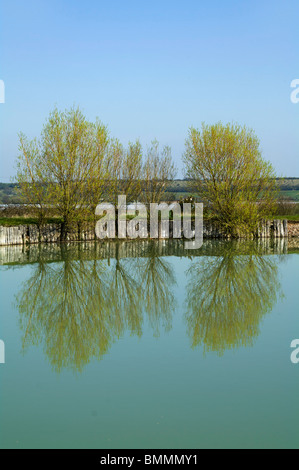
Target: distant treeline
285	184
9	193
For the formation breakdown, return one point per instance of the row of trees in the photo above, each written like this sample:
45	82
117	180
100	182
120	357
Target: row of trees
75	165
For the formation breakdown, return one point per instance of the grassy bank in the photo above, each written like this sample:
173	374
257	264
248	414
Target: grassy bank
290	218
15	221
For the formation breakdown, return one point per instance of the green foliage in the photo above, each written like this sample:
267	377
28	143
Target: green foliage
230	176
75	165
157	173
125	170
67	168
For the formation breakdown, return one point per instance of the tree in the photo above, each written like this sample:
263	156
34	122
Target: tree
67	168
229	174
157	172
126	165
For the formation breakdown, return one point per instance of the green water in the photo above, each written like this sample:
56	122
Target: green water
149	346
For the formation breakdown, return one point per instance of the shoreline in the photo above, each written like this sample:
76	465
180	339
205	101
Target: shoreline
28	234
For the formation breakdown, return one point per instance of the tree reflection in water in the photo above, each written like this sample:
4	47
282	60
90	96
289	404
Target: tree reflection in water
157	279
228	295
78	308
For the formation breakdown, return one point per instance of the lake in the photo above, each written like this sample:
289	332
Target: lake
147	345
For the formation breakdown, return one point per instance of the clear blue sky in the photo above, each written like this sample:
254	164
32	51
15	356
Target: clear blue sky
152	69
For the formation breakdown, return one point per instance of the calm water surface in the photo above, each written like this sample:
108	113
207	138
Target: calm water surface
145	345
